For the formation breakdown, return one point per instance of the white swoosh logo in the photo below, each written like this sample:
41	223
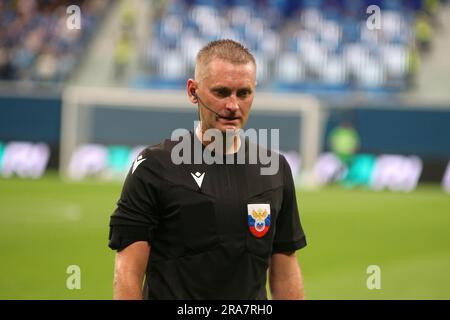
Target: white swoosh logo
198	177
136	163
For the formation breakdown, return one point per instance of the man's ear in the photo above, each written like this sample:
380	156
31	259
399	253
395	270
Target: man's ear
191	90
194	96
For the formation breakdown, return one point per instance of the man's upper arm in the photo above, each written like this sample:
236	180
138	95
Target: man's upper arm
136	215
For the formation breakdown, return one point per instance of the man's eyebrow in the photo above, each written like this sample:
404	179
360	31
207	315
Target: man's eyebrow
248	89
223	88
220	88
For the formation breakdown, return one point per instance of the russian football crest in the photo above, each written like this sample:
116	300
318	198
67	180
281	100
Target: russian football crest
258	218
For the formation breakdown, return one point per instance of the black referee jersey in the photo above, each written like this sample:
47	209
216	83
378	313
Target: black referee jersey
212	228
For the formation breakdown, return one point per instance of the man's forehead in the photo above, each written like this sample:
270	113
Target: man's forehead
211	69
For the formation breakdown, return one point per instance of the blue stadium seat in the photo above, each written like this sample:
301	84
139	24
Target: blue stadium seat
304	45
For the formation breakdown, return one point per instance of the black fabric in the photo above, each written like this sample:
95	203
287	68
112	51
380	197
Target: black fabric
290	236
201	243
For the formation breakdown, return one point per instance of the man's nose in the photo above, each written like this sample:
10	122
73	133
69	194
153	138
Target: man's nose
232	104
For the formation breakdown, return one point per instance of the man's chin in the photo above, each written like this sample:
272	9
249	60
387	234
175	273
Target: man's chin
229	128
224	124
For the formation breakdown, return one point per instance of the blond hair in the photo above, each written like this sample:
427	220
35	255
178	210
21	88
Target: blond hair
226	49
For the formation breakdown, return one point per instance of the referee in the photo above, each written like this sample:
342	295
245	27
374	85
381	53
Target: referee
209	231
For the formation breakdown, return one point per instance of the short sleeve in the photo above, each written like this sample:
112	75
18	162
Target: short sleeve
136	216
289	235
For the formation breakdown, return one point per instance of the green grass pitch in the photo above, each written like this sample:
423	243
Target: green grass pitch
47	225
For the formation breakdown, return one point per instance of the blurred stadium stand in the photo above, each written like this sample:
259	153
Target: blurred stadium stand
35	44
312	46
309	46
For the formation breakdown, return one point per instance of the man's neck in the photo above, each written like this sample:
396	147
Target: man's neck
231	145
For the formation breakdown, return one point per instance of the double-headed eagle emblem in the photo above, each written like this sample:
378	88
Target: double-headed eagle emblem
259	218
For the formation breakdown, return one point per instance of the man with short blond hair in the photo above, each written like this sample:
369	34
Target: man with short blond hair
209	231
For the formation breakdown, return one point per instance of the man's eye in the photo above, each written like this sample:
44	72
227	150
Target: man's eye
223	93
243	93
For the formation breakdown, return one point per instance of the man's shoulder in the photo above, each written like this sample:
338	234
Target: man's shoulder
159	150
152	161
158	156
165	147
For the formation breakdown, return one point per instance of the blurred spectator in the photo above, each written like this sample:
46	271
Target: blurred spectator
122	55
413	66
344	142
6	69
35	43
431	7
423	32
46	65
124	45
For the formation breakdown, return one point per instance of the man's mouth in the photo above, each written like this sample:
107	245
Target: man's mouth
228	118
